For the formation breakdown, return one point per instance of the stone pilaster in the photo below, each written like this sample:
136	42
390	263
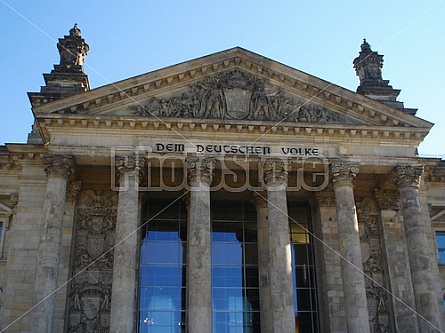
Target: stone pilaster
260	201
199	286
396	253
407	179
280	260
356	308
332	314
72	192
123	294
58	169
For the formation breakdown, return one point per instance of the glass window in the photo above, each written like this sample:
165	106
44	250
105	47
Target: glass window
235	294
162	269
440	238
303	264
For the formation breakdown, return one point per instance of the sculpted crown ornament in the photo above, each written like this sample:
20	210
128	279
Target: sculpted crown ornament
200	170
59	165
344	174
72	49
408	175
368	66
276	172
235	95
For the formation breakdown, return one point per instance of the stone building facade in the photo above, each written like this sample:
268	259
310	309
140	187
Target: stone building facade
230	193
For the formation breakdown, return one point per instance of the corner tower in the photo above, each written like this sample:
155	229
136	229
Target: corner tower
368	67
66	79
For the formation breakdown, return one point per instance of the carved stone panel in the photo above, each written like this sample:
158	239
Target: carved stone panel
92	270
373	266
236	95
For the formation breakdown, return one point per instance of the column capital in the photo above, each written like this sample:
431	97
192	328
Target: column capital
259	199
344	174
200	170
129	164
325	197
388	199
408	175
275	171
59	165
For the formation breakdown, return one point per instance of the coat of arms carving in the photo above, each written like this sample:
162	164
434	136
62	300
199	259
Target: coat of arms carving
235	95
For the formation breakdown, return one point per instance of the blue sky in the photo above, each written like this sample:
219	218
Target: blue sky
320	38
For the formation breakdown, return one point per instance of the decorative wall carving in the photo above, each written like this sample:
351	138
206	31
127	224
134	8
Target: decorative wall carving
90	297
388	199
373	265
325	197
236	95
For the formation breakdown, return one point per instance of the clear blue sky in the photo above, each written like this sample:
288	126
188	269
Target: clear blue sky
134	37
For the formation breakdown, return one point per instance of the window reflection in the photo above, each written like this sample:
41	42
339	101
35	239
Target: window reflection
303	272
235	295
162	270
440	239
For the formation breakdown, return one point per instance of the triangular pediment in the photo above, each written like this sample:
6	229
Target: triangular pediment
234	85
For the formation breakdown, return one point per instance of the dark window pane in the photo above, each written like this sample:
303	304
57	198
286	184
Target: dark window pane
226	254
440	238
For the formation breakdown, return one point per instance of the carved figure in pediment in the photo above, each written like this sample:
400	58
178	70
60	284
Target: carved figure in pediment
153	107
164	108
235	95
214	104
260	106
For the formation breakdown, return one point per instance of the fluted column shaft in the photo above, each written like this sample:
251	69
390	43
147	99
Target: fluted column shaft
123	294
280	258
260	201
199	278
58	169
356	307
407	180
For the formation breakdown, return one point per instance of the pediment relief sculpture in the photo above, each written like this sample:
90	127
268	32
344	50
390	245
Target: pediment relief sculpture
238	96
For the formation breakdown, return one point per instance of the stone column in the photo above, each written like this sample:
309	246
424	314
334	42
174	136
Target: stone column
58	169
396	254
260	201
407	180
280	260
332	313
124	288
199	263
356	307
